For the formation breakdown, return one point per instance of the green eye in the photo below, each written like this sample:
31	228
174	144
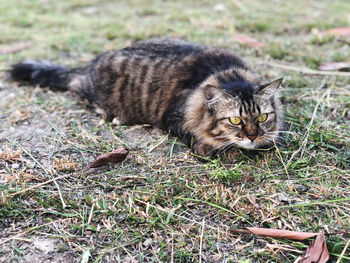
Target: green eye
262	117
235	120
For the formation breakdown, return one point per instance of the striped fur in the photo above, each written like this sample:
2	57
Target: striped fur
187	89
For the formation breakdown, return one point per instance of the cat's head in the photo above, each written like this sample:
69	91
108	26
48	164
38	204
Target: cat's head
235	114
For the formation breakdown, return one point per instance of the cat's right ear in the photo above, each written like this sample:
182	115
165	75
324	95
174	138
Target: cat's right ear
212	94
270	89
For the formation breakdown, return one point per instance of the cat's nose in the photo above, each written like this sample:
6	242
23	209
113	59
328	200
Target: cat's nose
252	137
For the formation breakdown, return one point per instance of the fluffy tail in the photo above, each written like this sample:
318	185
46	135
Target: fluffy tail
42	73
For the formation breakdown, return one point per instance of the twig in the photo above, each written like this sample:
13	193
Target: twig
60	195
107	249
313	116
47	172
201	241
118	139
280	156
161	141
155	254
172	247
31	229
130	256
308	70
171	150
33	158
343	252
238	231
91	211
306	136
41	184
172	213
214	205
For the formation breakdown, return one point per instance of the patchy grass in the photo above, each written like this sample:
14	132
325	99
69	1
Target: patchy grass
161	205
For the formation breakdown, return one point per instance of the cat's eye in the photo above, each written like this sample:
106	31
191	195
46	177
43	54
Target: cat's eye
235	120
262	117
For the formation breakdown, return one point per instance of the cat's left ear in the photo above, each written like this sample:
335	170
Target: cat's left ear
270	89
213	94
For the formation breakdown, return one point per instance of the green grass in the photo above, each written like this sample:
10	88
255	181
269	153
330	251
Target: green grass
161	204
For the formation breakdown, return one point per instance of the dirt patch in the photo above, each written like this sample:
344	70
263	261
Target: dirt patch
39	249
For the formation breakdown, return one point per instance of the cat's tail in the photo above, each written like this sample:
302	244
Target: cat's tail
42	73
55	76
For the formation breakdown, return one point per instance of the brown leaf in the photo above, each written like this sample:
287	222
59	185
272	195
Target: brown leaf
248	41
340	31
14	48
317	251
10	156
268	232
19	115
112	157
335	65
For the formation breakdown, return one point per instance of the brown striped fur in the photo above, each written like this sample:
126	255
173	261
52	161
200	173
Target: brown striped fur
187	89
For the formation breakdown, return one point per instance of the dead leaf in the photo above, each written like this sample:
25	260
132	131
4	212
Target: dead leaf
63	164
14	48
268	232
112	157
248	41
317	251
19	115
19	177
340	31
10	156
335	65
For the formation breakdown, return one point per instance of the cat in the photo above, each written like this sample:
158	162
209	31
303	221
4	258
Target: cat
206	96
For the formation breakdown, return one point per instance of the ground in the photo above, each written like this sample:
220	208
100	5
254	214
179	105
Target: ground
161	204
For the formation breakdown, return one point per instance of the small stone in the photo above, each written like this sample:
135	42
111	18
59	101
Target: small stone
147	242
116	121
219	8
101	122
15	166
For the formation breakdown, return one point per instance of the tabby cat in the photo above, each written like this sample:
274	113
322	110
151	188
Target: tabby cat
207	96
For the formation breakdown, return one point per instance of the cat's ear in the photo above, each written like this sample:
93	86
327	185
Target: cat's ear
212	94
270	89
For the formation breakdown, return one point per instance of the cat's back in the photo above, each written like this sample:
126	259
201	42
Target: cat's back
165	47
168	48
143	81
164	58
177	59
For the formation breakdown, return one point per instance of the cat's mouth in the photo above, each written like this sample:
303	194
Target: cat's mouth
248	144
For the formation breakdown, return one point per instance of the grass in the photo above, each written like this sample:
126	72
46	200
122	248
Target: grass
160	204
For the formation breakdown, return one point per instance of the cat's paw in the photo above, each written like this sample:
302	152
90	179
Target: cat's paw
203	152
116	121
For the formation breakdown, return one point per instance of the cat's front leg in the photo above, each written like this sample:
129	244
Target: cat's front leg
204	150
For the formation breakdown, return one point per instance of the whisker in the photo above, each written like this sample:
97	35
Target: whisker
277	132
227	147
274	137
220	147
